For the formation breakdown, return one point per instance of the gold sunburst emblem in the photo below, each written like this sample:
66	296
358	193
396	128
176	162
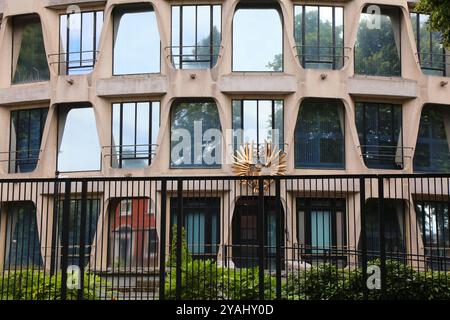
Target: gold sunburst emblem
251	161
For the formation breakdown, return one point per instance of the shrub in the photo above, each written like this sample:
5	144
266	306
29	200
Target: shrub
36	285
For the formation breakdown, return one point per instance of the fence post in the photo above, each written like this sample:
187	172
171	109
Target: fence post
279	234
65	239
179	248
162	244
82	237
362	203
261	229
381	235
53	252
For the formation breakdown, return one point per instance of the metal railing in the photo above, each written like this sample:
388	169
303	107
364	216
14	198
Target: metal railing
120	153
277	238
75	61
18	158
388	154
435	63
193	57
313	56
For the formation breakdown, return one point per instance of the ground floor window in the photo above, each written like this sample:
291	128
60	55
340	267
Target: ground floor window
433	223
21	236
79	222
245	244
394	228
321	226
201	225
133	237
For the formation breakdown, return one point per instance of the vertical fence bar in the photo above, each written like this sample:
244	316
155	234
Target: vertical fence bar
279	234
82	237
382	233
162	241
261	229
362	203
180	221
65	239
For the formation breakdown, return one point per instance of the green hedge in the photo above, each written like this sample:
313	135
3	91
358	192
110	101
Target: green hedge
35	285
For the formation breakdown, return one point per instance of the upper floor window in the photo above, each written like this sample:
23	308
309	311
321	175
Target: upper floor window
137	45
319	36
430	49
432	152
27	126
195	134
378	45
319	134
257	38
196	36
29	59
134	133
379	128
258	122
78	143
79	40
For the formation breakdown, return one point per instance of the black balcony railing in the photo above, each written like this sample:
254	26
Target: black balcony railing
203	237
193	57
136	155
75	62
322	57
384	156
21	161
434	63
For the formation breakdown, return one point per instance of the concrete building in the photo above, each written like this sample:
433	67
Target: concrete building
101	89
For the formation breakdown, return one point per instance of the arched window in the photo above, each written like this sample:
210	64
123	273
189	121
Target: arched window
137	46
378	45
195	134
319	134
257	38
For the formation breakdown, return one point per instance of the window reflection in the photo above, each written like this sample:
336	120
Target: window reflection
79	41
433	59
319	134
379	128
195	134
135	130
432	153
27	126
137	46
257	39
196	36
257	122
378	48
319	36
29	58
79	146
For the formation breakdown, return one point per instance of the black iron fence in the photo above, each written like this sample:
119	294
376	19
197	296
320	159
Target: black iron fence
289	237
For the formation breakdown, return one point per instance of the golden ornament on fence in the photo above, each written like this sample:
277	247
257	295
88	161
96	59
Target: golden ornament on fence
249	161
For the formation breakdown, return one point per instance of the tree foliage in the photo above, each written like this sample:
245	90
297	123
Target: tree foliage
439	11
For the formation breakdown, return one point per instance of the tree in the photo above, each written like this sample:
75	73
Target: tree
439	16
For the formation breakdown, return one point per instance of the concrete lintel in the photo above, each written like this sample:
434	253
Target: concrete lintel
58	4
382	87
23	94
130	86
258	83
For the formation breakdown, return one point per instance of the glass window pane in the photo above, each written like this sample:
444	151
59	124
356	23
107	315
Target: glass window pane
155	121
265	118
379	127
432	152
319	134
176	41
190	121
78	136
377	50
136	42
250	118
87	45
257	40
29	57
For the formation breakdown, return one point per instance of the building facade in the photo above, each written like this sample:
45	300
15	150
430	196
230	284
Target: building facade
128	89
